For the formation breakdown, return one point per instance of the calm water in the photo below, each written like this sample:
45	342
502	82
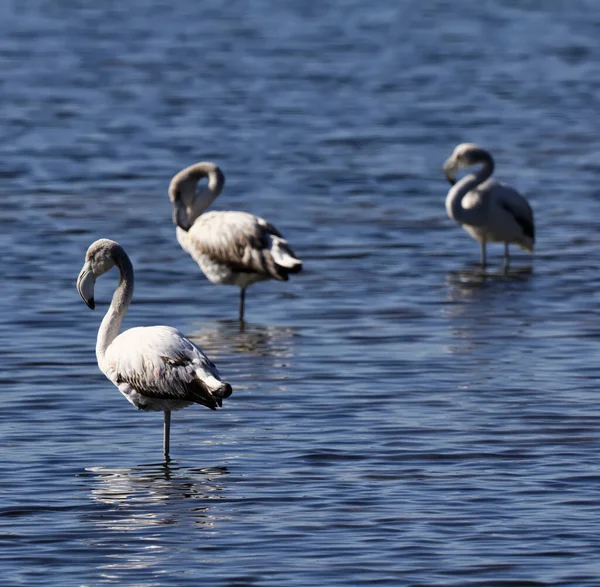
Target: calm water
398	417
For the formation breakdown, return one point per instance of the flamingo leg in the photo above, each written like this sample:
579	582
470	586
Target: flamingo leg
242	298
167	435
483	257
506	256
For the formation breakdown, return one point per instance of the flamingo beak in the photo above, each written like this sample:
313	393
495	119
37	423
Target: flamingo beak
450	169
85	285
180	216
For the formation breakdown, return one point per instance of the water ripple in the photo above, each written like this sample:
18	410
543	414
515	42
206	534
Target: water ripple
399	416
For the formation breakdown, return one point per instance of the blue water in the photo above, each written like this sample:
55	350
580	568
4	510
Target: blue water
399	417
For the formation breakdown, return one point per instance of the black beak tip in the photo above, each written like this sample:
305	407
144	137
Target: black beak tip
91	304
451	179
177	222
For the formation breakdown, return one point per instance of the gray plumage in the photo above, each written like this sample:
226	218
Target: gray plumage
488	210
231	248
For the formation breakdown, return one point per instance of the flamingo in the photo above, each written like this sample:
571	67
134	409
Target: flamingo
155	367
231	248
488	210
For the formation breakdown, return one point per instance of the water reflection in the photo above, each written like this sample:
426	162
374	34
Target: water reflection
152	495
466	285
485	309
233	337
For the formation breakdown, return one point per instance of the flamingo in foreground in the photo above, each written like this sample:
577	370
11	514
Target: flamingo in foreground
155	367
231	248
488	210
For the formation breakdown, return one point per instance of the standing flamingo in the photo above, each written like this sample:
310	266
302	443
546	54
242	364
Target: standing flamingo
155	367
231	248
488	210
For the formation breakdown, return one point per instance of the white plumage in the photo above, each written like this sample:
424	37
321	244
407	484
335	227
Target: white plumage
231	248
156	368
488	210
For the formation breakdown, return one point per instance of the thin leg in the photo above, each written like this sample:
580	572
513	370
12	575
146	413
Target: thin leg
506	256
167	435
483	259
242	298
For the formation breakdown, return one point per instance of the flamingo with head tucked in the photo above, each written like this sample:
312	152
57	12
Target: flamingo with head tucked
231	248
488	210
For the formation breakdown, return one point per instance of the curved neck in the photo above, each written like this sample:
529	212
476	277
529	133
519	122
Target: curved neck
201	201
460	189
111	324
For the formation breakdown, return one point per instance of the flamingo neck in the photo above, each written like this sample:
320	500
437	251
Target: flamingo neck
458	191
111	323
201	201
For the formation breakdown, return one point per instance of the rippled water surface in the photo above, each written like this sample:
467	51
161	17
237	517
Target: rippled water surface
399	417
